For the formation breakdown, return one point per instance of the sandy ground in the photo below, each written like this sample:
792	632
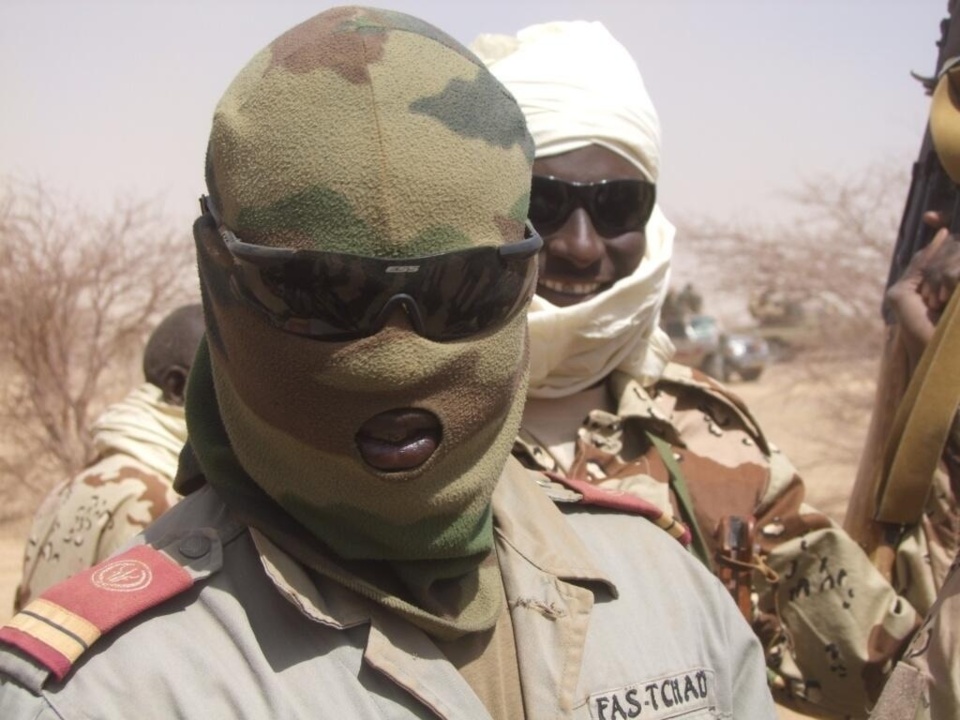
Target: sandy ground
818	418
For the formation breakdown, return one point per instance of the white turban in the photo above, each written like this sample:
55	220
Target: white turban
578	86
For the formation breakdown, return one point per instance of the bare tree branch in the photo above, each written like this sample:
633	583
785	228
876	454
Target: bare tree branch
831	259
79	293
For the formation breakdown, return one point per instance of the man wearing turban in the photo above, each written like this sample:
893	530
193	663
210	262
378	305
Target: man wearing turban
607	409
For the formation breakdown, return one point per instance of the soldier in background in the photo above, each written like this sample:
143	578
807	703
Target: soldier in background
130	482
681	305
925	685
690	300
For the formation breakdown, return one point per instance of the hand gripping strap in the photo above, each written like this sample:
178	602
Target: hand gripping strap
922	424
60	625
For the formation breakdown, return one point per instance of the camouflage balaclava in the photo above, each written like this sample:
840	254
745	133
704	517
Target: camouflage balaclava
372	133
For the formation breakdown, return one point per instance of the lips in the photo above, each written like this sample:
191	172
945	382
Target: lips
398	440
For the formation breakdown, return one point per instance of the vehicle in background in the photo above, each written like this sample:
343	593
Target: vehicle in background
701	343
744	355
785	322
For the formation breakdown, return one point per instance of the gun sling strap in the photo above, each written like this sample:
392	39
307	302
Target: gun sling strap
699	543
921	425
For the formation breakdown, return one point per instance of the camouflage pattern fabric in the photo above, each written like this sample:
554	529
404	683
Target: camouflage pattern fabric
831	626
401	165
926	552
89	517
925	685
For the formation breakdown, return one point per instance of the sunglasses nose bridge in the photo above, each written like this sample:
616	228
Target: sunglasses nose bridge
404	306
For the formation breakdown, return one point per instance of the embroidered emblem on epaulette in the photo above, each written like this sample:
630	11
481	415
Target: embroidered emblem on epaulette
60	625
618	500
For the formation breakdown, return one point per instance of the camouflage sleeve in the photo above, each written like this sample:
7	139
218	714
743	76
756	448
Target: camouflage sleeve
926	552
841	624
88	518
146	499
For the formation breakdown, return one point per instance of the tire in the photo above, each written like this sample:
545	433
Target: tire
751	374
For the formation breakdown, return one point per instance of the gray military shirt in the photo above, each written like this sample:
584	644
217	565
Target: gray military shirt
612	619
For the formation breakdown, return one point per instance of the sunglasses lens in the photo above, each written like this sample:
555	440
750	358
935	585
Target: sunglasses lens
476	293
621	206
327	298
338	297
615	206
549	204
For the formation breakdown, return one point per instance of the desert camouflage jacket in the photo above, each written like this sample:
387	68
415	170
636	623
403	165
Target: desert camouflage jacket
88	518
926	552
830	624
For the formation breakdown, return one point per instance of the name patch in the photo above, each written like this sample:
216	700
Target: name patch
665	697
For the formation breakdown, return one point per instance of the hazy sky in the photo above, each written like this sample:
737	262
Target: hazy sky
101	98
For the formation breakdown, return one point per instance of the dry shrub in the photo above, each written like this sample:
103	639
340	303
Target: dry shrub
832	258
79	294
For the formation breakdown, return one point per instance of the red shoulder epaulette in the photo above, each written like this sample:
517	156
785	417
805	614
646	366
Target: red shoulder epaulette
625	502
61	624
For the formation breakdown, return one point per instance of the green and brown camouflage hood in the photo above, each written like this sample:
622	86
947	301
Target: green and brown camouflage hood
368	130
372	133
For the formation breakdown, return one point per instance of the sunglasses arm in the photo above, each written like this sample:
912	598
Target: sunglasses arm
526	248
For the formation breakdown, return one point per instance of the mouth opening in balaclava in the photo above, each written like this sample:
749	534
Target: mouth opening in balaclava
398	440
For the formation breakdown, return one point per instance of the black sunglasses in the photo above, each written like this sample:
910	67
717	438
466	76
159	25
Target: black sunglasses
615	207
338	296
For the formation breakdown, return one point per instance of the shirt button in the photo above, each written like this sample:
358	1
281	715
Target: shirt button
195	546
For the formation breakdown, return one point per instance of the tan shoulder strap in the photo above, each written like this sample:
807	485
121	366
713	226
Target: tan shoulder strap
922	424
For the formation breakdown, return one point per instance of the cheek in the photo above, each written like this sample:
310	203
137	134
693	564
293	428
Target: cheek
626	252
542	261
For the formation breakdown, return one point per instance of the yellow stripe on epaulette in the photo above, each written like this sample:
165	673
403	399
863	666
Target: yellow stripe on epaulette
672	526
64	631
